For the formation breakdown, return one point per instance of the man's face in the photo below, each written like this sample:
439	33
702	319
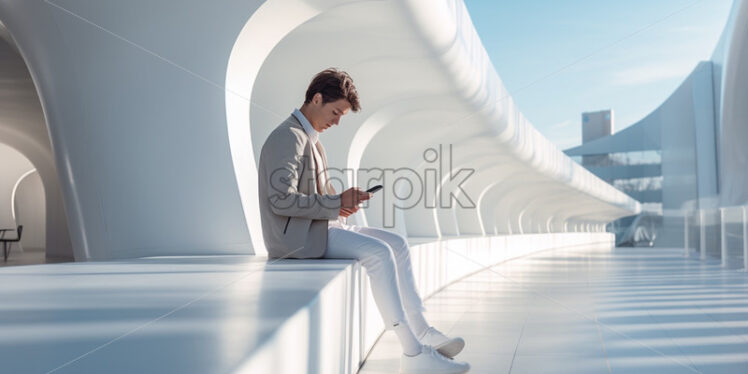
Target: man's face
326	115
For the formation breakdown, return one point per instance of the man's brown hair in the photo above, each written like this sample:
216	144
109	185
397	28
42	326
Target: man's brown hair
333	84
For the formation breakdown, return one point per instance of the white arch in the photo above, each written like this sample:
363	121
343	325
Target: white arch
15	188
263	31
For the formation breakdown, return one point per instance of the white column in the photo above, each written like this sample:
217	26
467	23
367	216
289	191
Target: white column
723	236
702	238
745	238
685	233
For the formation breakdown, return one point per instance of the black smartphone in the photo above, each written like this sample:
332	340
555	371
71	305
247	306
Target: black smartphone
375	188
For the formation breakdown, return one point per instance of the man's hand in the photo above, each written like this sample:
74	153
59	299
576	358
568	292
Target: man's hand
350	199
347	212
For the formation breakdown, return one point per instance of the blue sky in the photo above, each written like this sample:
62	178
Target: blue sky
632	74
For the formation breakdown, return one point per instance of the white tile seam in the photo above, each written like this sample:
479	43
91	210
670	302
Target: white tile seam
516	348
602	343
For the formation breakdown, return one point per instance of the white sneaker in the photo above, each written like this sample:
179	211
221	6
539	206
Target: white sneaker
429	361
447	346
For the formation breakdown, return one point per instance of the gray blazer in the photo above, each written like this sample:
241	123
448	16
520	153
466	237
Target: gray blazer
294	217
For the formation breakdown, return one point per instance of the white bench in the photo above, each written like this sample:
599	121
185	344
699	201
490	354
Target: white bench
219	314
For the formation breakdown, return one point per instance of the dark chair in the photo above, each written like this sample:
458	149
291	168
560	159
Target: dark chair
7	242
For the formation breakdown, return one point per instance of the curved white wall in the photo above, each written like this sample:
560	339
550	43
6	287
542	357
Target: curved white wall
22	126
686	121
158	157
133	95
731	89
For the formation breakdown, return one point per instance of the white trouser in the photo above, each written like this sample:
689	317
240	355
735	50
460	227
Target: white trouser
386	257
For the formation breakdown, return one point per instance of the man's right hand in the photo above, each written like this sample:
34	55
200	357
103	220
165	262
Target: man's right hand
350	199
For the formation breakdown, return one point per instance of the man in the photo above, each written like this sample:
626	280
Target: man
300	214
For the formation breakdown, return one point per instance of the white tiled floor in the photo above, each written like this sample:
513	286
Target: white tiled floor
630	310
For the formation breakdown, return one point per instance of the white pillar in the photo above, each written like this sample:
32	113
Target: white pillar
723	236
685	233
702	238
745	238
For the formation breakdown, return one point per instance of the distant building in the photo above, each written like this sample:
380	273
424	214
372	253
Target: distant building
596	125
635	169
667	160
